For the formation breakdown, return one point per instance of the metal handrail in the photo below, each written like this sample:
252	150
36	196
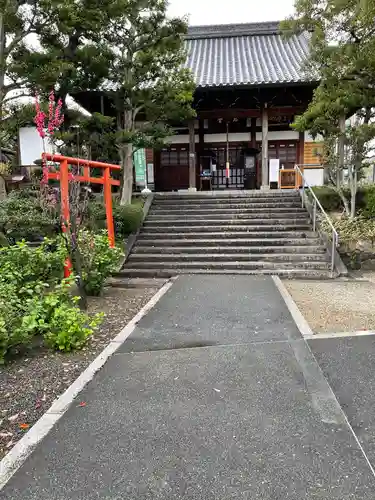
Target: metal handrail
316	203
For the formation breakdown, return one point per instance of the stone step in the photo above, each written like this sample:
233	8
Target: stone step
226	234
291	273
226	214
201	209
232	204
225	227
284	222
164	257
227	194
219	241
184	200
249	250
228	265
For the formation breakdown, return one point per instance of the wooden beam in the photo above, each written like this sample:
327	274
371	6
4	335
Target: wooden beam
229	113
192	169
265	170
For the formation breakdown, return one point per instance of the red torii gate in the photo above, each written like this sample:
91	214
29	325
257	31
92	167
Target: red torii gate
64	176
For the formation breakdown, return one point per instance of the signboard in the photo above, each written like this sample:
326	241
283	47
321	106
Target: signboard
140	167
150	173
274	170
31	145
3	191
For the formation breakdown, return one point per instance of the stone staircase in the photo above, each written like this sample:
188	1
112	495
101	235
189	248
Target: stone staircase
252	233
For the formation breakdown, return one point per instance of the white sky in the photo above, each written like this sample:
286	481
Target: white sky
231	11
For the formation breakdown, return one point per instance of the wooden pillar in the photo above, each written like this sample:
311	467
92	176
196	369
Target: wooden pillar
65	208
200	151
301	149
108	206
253	133
192	169
265	169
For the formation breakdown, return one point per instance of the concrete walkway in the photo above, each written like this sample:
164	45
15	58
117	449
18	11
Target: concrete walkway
215	396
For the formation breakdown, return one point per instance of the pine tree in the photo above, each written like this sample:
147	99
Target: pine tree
146	85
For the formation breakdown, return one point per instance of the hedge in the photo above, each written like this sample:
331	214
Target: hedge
331	201
127	218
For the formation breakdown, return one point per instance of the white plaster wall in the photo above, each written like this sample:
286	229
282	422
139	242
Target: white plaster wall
314	176
280	135
180	139
234	137
309	138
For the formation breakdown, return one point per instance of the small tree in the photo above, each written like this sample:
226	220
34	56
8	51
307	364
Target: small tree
146	84
343	56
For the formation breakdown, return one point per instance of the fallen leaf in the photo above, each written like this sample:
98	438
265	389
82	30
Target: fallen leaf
38	404
24	426
13	417
9	444
82	404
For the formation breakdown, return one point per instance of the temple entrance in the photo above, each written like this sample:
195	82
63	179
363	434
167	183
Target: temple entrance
242	171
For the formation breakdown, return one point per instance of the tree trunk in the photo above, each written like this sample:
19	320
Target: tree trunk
353	204
341	150
2	71
126	154
77	266
344	200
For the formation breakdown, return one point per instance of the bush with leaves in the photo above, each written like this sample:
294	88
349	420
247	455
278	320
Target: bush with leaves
331	201
127	218
57	318
369	202
328	197
35	301
99	260
11	309
31	270
22	217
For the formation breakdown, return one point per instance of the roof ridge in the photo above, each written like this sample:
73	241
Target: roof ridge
233	29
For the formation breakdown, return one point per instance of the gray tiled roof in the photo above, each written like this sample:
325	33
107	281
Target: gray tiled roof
245	54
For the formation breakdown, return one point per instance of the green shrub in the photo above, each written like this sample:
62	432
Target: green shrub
328	197
127	218
31	270
63	325
96	216
369	201
69	328
21	217
35	301
11	308
99	260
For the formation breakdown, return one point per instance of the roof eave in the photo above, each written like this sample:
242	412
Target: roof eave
259	84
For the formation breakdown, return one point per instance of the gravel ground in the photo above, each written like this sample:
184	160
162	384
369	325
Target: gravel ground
29	384
335	306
